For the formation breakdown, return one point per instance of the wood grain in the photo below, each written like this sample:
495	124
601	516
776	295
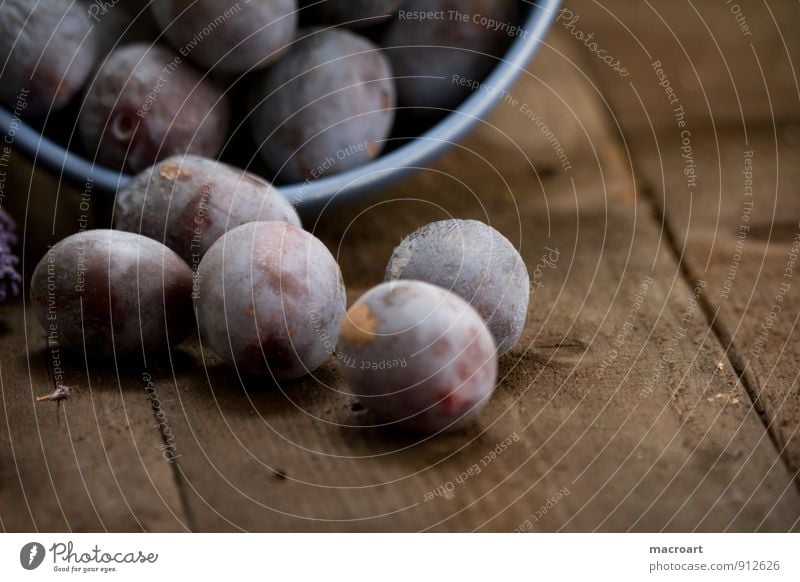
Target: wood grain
746	246
721	74
89	463
737	227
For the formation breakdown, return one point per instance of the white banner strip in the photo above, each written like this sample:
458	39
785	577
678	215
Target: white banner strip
400	557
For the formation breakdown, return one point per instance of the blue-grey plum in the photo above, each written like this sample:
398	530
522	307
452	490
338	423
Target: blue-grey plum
356	13
228	36
46	53
435	44
188	202
146	104
418	356
112	293
326	107
269	300
474	261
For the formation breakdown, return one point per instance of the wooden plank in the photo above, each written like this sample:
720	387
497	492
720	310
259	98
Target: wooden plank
591	427
91	463
719	69
745	243
736	224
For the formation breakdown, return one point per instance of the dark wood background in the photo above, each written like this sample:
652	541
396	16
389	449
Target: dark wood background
655	386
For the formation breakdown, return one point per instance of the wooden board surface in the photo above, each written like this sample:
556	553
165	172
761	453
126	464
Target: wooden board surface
722	72
737	225
91	463
619	409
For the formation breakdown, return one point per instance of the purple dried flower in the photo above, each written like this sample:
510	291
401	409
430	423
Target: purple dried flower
10	279
60	393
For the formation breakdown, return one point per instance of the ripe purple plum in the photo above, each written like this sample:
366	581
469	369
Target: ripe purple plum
435	44
325	108
188	202
47	52
474	261
145	104
228	37
112	293
269	300
356	13
418	356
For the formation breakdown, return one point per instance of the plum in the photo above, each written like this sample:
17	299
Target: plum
269	300
226	36
474	261
112	293
145	104
46	53
325	108
418	356
356	13
433	44
188	202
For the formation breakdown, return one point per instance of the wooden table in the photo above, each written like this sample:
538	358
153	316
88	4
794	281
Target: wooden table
655	386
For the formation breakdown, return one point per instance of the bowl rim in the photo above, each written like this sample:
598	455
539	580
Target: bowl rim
372	177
